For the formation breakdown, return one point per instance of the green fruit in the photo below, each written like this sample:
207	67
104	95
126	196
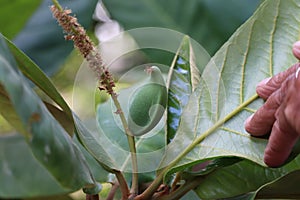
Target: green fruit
148	104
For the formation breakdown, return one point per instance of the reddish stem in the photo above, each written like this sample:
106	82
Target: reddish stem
112	191
92	197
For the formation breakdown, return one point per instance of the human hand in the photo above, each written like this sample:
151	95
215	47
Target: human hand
280	114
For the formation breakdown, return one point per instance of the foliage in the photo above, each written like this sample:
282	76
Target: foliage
37	34
203	124
210	23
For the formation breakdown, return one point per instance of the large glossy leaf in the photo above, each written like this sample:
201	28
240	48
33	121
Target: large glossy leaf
9	113
286	187
17	164
208	22
65	117
249	178
235	180
42	39
212	123
21	174
184	77
37	76
99	173
51	145
94	145
11	22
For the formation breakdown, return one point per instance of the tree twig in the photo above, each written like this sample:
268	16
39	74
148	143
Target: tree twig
113	190
92	197
123	185
182	190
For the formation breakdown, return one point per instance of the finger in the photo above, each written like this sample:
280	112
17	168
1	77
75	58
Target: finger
263	119
268	86
286	129
292	107
283	138
296	50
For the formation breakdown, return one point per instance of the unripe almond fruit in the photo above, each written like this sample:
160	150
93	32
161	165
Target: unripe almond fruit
148	103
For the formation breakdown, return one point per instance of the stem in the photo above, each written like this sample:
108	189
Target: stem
57	5
155	184
131	142
148	193
180	192
176	180
113	191
92	197
123	185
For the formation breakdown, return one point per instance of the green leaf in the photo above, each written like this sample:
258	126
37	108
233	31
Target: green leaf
11	22
34	73
212	166
37	76
61	117
184	77
249	178
234	180
49	142
42	38
212	125
99	173
94	145
8	112
58	197
190	196
286	187
208	22
17	165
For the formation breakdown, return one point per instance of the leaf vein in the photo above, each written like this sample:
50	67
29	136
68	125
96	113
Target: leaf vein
250	109
245	57
234	131
219	85
272	40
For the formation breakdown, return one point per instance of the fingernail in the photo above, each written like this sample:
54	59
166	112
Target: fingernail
263	82
296	49
247	121
297	80
297	73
